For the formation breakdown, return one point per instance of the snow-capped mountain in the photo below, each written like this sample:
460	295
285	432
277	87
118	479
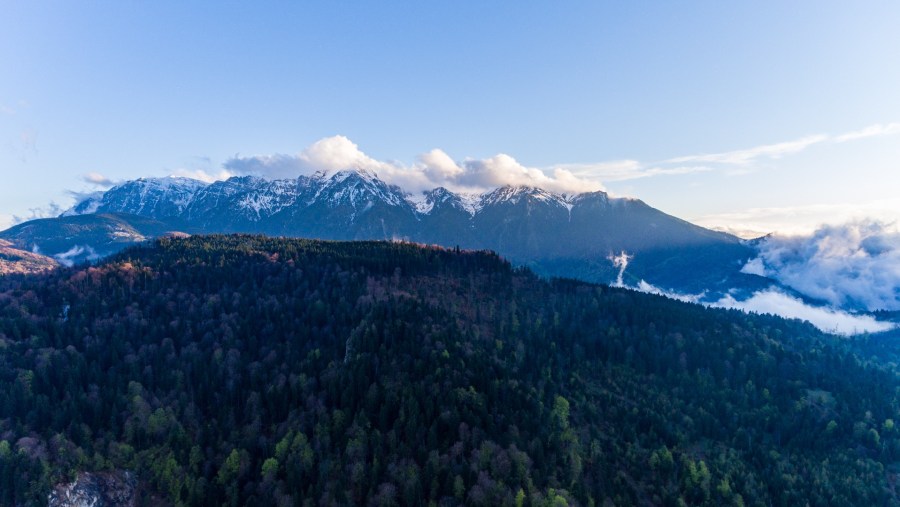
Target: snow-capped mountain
517	194
572	235
149	197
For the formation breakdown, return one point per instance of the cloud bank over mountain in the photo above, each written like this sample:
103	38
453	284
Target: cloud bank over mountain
430	170
437	168
855	265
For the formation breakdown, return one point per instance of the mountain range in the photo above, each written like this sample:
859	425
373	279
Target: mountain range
590	236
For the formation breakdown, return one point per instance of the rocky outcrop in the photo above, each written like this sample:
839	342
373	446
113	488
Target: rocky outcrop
105	489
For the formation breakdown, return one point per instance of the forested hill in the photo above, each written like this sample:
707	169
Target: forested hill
244	370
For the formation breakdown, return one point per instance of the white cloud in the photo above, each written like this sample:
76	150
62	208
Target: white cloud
437	165
6	221
771	301
328	154
855	265
876	130
732	163
432	169
828	320
743	157
620	261
336	153
437	168
202	175
649	288
503	169
607	171
749	156
97	179
68	257
676	171
754	267
621	170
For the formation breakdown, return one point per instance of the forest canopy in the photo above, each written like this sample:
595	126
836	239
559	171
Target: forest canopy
247	370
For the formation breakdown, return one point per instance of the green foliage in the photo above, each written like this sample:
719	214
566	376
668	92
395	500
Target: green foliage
256	371
270	467
230	470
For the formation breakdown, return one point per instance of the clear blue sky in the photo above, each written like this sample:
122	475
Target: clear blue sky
128	89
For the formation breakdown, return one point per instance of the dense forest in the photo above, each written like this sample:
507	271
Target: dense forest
245	370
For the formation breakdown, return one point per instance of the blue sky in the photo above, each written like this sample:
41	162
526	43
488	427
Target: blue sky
745	115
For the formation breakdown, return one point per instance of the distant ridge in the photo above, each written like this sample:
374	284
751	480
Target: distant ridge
566	235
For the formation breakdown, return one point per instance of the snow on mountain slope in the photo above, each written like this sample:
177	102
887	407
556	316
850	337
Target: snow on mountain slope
441	198
516	194
151	197
270	197
358	189
255	199
87	205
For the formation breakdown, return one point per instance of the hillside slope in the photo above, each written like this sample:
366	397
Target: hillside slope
78	238
16	261
243	370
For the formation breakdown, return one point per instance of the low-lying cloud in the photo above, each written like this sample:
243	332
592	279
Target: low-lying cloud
772	301
69	257
855	265
776	302
829	320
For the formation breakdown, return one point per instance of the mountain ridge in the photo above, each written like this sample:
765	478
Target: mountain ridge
555	234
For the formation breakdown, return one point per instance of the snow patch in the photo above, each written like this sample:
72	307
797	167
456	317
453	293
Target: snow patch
420	202
472	203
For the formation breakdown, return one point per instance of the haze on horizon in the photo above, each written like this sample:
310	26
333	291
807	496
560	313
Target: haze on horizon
748	118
